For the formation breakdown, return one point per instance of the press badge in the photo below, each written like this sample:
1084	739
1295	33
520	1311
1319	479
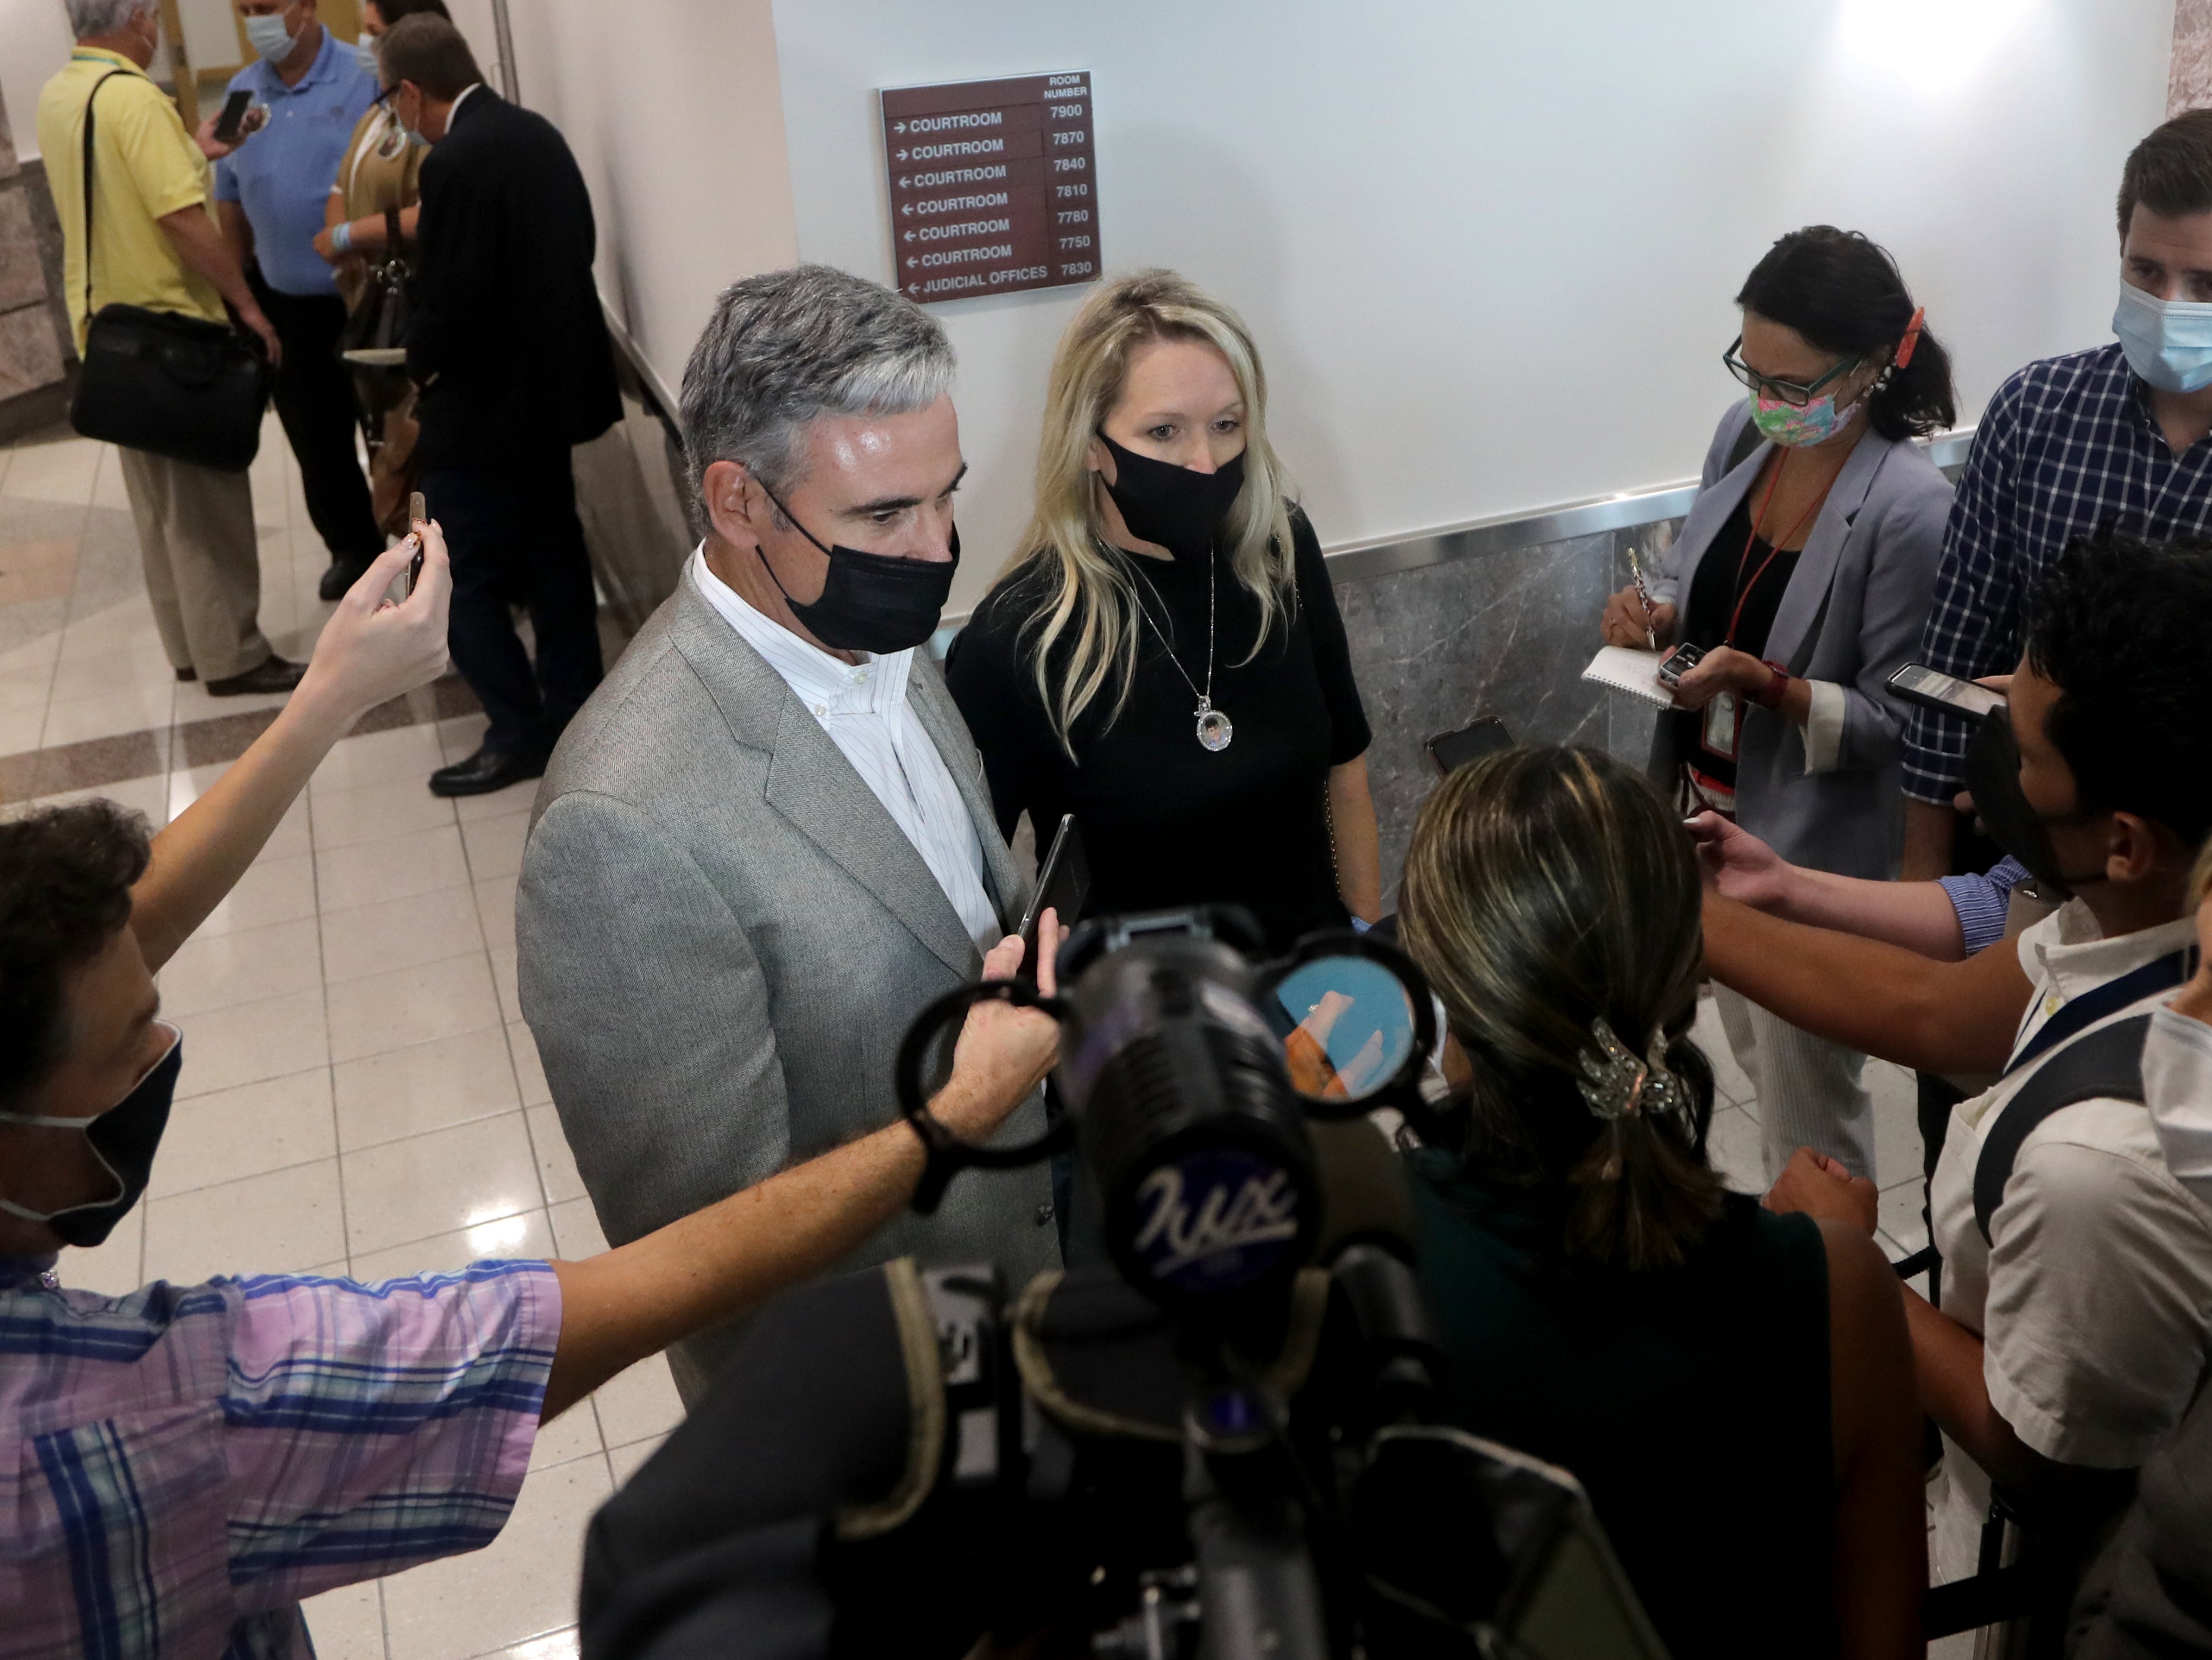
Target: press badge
1724	728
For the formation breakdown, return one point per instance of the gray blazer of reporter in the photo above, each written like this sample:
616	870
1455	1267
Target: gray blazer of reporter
723	936
1831	794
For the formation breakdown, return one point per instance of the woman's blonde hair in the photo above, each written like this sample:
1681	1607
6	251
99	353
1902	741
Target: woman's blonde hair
1545	889
1083	617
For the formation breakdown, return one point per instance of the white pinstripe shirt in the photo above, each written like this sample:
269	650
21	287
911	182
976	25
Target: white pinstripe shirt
864	710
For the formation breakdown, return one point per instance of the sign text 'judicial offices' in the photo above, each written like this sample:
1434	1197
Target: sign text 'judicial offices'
993	185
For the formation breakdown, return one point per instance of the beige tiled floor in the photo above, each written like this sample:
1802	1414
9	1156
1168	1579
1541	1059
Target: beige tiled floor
360	1094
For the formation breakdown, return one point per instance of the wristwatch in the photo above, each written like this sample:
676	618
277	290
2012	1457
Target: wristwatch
1769	695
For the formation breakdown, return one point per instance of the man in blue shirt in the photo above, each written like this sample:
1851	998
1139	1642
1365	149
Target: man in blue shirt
2115	437
270	194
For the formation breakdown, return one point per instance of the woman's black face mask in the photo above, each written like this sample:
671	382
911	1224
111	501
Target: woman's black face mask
1992	778
124	1139
1179	509
873	602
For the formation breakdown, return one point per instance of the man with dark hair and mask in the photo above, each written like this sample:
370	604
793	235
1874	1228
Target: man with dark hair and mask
180	1466
766	843
2077	1286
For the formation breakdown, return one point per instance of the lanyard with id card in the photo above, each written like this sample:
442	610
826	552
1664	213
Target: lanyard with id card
1721	732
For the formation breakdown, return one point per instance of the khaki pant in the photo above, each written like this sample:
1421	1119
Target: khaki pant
202	562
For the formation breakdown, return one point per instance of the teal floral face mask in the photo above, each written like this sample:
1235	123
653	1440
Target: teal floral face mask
1789	426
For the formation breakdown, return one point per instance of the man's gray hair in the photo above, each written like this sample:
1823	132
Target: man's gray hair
788	347
91	17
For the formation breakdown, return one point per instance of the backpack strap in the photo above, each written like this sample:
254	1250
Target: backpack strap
88	97
2106	1065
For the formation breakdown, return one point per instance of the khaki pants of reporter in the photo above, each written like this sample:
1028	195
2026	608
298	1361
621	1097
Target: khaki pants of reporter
1811	1092
203	559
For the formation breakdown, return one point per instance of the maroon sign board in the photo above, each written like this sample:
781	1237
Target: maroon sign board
993	185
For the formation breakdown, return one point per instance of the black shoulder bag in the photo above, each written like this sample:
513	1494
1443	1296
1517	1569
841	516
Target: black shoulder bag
155	380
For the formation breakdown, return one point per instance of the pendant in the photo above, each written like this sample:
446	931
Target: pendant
1214	730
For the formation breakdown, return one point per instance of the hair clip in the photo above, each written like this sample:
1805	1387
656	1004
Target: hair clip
1614	1084
1904	353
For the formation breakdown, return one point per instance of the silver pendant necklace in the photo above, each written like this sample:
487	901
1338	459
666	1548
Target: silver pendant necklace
1215	729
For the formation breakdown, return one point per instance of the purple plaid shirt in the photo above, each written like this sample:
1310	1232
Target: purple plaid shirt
190	1461
2067	446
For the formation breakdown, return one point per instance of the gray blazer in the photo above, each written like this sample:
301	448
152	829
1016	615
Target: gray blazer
1851	617
723	936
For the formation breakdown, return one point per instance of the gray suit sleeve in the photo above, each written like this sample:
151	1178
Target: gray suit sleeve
650	1013
1900	586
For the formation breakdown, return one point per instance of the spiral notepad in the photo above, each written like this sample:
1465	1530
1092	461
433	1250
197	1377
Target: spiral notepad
1623	668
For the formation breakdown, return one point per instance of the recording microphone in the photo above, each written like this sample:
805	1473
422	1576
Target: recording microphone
1366	1196
1370	1235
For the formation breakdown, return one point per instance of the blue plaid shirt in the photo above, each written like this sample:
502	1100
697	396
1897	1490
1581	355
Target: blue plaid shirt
2068	446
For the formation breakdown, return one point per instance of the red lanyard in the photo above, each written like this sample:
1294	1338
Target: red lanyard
1742	588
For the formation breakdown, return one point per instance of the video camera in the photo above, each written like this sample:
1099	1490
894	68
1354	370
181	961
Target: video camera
1221	1445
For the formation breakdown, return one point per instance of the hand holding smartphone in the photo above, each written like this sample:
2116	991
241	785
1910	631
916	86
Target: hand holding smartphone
1449	751
233	118
1932	689
1063	884
417	512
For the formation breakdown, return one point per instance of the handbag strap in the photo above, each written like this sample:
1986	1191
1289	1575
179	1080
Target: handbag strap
88	97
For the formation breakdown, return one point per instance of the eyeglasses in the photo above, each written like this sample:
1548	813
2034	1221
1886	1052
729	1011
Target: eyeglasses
1794	393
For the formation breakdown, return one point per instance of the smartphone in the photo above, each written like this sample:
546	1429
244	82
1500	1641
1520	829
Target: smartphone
1945	693
1679	661
1063	884
233	116
1449	750
418	511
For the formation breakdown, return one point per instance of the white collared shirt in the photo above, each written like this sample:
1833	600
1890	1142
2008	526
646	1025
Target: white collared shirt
864	709
2093	1294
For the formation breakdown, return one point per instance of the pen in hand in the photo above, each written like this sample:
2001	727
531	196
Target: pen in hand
1642	599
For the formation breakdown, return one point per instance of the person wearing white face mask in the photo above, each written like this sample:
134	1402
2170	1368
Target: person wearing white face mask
270	194
1804	574
2117	436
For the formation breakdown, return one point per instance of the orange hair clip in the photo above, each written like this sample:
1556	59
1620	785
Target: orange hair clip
1911	339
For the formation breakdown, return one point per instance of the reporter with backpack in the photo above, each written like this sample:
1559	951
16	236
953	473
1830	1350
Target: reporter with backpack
2077	1266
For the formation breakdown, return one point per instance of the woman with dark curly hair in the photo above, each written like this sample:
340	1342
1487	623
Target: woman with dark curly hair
1734	1388
1805	573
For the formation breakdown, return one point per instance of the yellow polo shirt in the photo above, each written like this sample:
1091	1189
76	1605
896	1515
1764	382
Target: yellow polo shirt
145	166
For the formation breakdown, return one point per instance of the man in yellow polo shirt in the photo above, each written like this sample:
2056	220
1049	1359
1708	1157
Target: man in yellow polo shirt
156	243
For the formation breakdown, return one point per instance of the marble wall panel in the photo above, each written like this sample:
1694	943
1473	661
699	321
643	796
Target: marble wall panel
2189	78
23	276
1506	634
30	356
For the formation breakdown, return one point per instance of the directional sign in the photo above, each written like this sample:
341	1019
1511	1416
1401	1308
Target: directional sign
993	185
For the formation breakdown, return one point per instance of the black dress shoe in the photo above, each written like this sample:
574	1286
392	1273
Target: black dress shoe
487	770
186	676
341	576
275	675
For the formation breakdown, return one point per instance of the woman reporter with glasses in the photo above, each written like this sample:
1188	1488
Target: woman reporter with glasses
1805	573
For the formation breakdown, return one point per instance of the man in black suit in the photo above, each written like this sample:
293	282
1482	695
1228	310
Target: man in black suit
509	348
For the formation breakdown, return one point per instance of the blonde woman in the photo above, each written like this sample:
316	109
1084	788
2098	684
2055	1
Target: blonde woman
1164	658
379	189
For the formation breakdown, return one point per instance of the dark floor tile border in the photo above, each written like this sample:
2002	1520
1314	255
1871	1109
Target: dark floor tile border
205	743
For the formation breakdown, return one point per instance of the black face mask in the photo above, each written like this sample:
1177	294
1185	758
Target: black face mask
1992	778
874	602
124	1139
1179	509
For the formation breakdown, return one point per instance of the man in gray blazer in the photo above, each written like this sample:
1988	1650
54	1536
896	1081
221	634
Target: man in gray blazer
766	842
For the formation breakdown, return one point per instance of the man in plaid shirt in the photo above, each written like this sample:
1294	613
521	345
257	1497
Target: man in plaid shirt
179	1467
2112	436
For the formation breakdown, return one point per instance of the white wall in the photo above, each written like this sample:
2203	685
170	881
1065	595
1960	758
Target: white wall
1489	247
34	42
675	114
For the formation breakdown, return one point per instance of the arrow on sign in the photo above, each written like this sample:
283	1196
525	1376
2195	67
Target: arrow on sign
911	263
901	182
909	237
899	126
907	210
900	154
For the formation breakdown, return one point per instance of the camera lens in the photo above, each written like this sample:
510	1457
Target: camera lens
1186	1114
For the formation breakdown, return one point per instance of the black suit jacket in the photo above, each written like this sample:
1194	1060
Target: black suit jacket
505	337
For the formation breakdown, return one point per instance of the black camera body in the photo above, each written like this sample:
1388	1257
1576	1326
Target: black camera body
1224	1444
